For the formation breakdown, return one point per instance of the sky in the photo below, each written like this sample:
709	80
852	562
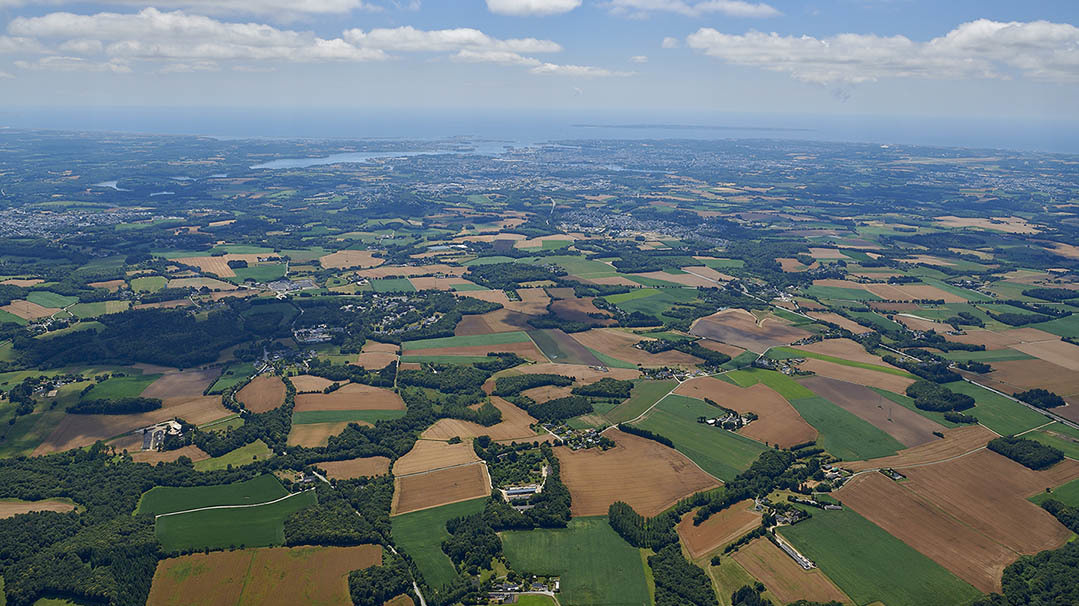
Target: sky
989	59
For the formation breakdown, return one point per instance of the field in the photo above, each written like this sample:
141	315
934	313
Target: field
842	433
355	468
428	455
779	423
28	310
344	259
420	535
150	283
498	321
244	455
1059	436
620	344
1056	351
440	487
262	394
561	348
14	507
114	388
859	376
646	474
840	351
233	374
588	555
783	577
256	526
717	530
1066	493
840	321
516	424
719	452
392	285
153	457
1020	375
337	416
903	424
311	435
309	383
580	372
376	356
353	396
167	499
644	394
870	565
187	384
740	328
577	310
257	577
997	412
199	283
956	441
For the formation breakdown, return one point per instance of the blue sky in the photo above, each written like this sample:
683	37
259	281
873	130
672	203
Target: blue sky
987	58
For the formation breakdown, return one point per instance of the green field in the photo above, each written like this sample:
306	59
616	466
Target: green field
233	375
7	316
843	294
498	338
257	526
46	298
392	285
632	295
723	263
1058	435
719	452
997	412
1064	327
551	344
645	393
782	353
255	451
844	434
532	600
494	260
338	416
597	567
869	564
444	359
779	382
611	361
658	303
1067	493
908	403
114	388
166	499
579	266
876	319
100	308
742	360
990	355
420	535
148	283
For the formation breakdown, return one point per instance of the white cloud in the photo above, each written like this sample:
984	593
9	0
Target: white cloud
639	59
60	63
978	49
5	75
263	7
184	68
411	39
14	45
577	71
731	8
671	42
524	8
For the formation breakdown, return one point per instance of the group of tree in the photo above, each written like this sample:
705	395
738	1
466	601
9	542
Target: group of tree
119	406
1034	455
644	433
932	370
679	582
1042	398
513	385
605	388
937	398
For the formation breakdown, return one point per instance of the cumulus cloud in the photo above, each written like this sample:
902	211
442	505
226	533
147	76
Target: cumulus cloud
978	49
264	7
639	59
671	42
730	8
10	44
577	71
536	66
5	75
411	39
528	8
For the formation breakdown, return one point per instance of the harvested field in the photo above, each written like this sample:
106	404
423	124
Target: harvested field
311	435
717	530
13	507
355	468
785	578
515	425
429	455
1053	351
692	280
182	384
375	360
533	301
790	265
838	320
154	457
779	422
433	283
578	310
846	349
620	344
407	271
1012	225
561	348
377	347
989	492
262	394
580	372
353	396
256	577
344	259
957	441
109	285
27	310
708	272
491	296
309	383
525	349
912	292
500	320
914	322
612	281
859	376
646	474
964	551
220	265
827	253
1020	375
903	424
730	350
440	487
199	283
740	328
547	393
75	431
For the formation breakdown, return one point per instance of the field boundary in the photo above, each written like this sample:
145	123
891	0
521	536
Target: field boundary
211	507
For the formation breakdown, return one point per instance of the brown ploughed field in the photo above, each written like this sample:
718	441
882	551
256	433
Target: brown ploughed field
375	360
515	425
719	529
547	393
740	328
846	349
859	376
1021	375
838	320
262	394
903	424
27	310
957	441
353	396
11	508
646	474
344	259
500	320
428	455
182	384
577	310
783	577
355	468
620	344
440	487
154	457
1056	352
779	422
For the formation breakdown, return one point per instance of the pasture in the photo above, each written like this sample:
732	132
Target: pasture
244	455
844	434
256	526
233	375
596	566
997	412
420	535
645	393
1067	493
167	499
114	388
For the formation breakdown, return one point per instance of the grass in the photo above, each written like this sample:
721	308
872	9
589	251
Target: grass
45	298
167	499
244	455
969	295
535	600
876	319
597	567
223	424
632	295
844	434
1067	494
740	361
114	388
444	359
392	285
148	283
990	355
233	375
780	353
869	564
100	308
337	416
1067	439
723	263
492	260
7	316
220	528
611	361
579	266
467	287
719	452
779	382
1064	327
658	304
998	412
498	338
644	394
550	345
420	535
728	577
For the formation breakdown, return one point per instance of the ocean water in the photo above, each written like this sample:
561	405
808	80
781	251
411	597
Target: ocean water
491	130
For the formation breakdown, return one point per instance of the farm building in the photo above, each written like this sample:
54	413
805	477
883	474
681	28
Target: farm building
154	435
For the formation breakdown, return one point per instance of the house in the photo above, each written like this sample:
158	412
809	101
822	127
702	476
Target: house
154	435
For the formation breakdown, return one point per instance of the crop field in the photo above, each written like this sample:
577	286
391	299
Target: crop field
659	301
646	474
645	393
860	376
1059	436
262	394
903	424
578	310
353	396
14	507
1056	352
842	433
187	384
845	355
309	383
1065	327
784	578
779	382
1020	375
440	487
516	424
375	360
233	374
561	348
620	344
355	468
392	285
338	416
167	499
199	283
244	455
1066	493
957	441
587	555
114	388
870	565
153	457
525	349
580	372
718	451
257	526
27	310
717	530
466	341
779	423
344	259
311	435
429	455
997	412
420	535
261	577
151	283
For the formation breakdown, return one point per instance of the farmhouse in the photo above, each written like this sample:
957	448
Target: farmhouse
154	435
